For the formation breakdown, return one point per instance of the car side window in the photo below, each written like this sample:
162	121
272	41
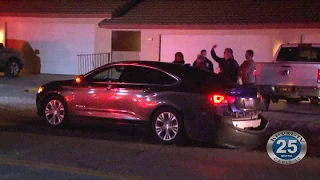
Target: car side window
109	74
144	75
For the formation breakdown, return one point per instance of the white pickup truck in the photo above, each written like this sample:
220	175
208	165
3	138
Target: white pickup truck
294	74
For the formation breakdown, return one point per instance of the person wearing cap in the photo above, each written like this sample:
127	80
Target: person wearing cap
228	66
178	58
203	62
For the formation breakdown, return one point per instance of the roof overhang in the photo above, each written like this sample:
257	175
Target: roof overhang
210	26
59	15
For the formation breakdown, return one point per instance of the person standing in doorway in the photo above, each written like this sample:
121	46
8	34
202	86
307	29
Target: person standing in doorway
228	66
247	68
178	58
203	62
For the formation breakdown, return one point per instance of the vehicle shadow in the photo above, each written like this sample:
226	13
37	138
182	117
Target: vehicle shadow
100	130
95	129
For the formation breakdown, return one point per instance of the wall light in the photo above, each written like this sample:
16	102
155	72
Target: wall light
2	36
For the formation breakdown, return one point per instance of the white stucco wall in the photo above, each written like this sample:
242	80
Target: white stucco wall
59	40
243	39
190	46
58	44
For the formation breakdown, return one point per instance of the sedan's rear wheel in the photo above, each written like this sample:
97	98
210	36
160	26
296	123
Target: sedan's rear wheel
167	126
55	111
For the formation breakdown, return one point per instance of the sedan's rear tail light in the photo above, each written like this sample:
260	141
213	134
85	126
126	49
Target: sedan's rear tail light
318	75
221	99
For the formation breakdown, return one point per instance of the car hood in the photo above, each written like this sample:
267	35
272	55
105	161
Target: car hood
60	83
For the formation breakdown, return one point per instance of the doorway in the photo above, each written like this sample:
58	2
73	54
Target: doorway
126	46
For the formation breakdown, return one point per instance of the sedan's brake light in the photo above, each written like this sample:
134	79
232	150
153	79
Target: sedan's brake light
318	75
221	99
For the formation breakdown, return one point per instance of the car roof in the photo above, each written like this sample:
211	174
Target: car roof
185	72
172	68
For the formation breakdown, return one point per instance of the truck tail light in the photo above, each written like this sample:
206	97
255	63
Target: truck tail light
221	99
318	75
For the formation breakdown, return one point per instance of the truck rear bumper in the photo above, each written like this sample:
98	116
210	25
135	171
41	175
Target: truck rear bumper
290	91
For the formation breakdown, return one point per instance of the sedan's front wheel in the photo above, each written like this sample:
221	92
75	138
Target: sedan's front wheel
167	125
55	111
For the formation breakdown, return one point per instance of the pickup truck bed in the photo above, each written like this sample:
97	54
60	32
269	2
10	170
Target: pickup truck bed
293	75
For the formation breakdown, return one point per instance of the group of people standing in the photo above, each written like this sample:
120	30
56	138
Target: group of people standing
228	66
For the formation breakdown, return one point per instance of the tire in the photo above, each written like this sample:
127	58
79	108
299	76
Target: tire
265	103
314	101
12	68
274	100
293	101
167	126
55	116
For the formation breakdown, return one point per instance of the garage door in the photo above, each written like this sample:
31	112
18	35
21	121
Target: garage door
58	45
191	45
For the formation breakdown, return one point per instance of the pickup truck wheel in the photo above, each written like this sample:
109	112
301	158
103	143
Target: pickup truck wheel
293	101
274	100
12	69
265	103
314	101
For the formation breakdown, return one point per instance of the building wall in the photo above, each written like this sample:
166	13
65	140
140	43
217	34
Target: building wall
151	40
58	41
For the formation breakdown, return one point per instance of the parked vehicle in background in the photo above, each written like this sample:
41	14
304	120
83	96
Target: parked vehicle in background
11	61
172	100
294	74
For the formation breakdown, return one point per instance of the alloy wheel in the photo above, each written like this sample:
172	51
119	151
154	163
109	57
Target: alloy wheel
166	126
54	112
14	68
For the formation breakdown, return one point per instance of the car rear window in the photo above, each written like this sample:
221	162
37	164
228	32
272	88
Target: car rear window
299	54
192	74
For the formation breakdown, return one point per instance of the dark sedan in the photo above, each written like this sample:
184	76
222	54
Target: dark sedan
173	100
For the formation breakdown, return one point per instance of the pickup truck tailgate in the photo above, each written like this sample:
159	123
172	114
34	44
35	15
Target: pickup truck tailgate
287	74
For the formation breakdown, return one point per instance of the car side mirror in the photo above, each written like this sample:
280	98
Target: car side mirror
80	79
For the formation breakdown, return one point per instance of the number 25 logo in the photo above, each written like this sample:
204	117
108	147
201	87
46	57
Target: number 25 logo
291	146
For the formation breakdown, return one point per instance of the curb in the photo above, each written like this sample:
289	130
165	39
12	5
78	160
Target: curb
31	90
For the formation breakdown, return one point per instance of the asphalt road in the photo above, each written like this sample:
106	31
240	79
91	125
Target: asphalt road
31	150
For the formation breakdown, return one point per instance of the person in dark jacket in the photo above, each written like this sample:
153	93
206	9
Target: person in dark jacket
203	62
229	67
178	58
